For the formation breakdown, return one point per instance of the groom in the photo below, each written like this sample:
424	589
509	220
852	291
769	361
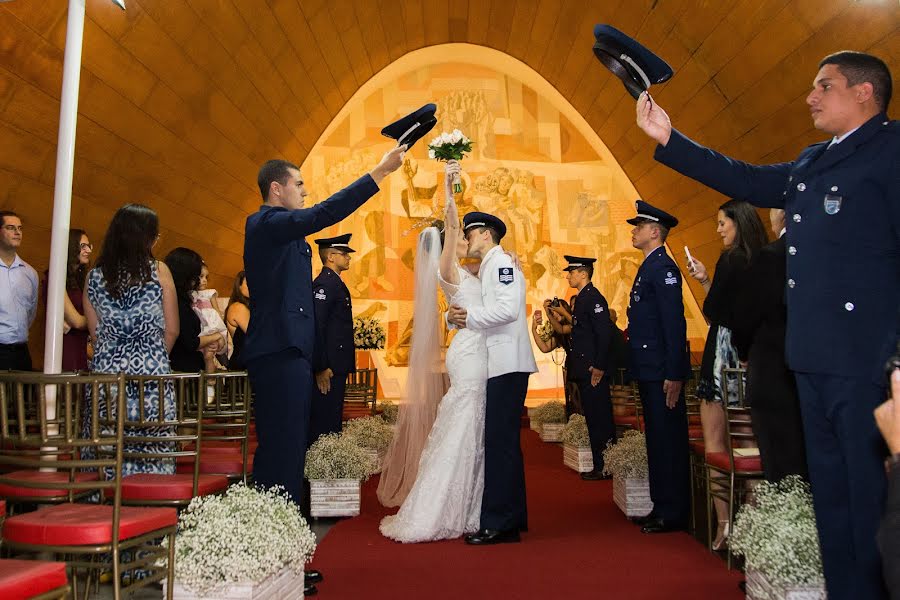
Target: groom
510	362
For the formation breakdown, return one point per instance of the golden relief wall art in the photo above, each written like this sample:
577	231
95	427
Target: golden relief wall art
535	164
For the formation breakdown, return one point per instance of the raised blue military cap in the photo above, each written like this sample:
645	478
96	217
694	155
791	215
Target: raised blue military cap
480	219
411	128
338	242
646	212
578	262
635	65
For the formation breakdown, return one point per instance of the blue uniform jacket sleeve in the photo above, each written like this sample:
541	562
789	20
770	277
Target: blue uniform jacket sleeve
323	306
282	226
601	327
671	317
760	185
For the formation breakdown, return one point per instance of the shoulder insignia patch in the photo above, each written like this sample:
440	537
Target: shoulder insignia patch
320	295
506	275
598	308
671	280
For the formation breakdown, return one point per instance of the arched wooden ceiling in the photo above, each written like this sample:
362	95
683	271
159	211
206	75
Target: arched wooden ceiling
181	100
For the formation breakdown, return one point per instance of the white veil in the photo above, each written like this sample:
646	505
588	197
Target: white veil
425	381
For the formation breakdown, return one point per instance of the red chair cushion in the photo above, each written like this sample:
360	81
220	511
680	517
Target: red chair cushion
630	421
2	508
15	491
218	463
20	579
154	486
83	524
695	433
742	464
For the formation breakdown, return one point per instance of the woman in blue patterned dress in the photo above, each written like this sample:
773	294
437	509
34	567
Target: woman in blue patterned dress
132	315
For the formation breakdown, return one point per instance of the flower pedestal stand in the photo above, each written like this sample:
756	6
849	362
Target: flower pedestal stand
579	458
334	497
759	587
286	584
377	458
632	496
552	432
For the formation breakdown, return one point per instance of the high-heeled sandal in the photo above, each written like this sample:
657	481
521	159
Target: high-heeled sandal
721	543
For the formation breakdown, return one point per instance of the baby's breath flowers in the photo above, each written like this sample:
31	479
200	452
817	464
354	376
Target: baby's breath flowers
626	458
369	432
575	433
549	412
335	456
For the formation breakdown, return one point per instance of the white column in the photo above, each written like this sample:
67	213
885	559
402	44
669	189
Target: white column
62	191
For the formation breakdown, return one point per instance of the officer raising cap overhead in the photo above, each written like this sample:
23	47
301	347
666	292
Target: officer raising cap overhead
660	363
335	354
636	66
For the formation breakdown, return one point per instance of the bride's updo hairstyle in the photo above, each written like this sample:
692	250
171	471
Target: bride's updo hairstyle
439	225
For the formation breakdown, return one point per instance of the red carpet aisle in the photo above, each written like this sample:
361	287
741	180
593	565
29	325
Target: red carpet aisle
580	546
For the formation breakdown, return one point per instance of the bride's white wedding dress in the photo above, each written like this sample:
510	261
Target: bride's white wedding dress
445	500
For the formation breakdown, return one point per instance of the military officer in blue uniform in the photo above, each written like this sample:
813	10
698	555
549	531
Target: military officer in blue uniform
335	354
588	360
657	339
842	202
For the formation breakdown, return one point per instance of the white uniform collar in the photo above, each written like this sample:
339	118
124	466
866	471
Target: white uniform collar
487	257
840	138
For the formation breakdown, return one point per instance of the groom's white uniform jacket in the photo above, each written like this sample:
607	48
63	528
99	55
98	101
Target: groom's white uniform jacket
502	317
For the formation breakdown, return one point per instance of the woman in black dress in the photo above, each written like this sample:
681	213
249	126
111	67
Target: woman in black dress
237	319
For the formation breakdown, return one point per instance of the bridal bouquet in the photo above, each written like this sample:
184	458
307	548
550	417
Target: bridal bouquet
368	334
777	534
244	535
450	146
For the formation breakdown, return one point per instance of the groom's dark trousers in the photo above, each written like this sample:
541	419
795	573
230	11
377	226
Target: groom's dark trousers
503	503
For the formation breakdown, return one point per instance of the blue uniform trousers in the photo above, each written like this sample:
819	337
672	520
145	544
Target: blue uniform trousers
667	453
503	502
845	455
281	384
598	414
326	410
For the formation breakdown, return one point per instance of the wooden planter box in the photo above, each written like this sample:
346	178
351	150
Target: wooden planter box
579	458
632	496
552	432
760	588
378	457
535	426
334	497
286	584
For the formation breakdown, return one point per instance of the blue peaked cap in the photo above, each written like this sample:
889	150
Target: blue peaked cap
481	219
646	212
636	66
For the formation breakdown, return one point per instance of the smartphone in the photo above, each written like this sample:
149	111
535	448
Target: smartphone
689	257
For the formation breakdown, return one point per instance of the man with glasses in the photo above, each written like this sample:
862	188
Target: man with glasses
18	296
335	354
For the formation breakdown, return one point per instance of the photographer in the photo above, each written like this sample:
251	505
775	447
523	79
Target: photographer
888	418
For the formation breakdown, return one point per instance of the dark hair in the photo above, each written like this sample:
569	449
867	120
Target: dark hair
663	231
441	227
7	213
127	253
185	265
273	170
495	235
75	271
750	233
859	67
589	269
237	296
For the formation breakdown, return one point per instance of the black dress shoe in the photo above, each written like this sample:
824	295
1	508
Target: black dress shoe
486	537
310	590
595	476
661	526
312	577
641	521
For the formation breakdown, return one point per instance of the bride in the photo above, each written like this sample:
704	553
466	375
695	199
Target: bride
445	500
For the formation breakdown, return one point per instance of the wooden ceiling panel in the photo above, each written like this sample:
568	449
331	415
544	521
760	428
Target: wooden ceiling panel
182	100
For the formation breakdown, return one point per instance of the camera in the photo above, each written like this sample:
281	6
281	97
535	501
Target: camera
892	365
555	301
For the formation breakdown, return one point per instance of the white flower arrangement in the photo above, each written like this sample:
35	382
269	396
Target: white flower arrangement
368	334
389	411
575	433
371	433
335	456
776	534
449	146
626	458
244	535
550	412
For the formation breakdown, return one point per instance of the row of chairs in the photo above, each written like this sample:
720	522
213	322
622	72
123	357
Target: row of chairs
65	438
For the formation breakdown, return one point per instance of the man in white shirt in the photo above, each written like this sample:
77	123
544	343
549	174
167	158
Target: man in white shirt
502	318
18	296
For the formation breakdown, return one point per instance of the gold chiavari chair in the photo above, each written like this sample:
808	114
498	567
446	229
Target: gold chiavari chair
88	535
362	388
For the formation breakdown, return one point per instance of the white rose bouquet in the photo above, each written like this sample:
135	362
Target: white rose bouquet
368	334
450	146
